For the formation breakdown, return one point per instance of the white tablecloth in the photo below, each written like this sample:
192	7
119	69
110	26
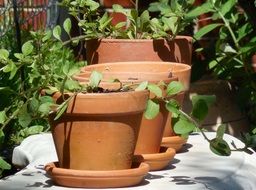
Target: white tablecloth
195	168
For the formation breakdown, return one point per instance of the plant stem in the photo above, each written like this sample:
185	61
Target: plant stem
229	29
15	113
136	21
80	38
195	123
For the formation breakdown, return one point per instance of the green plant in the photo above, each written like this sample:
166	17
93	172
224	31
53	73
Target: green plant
233	50
47	63
168	24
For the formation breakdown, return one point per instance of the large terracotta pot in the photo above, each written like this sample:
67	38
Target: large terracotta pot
99	131
118	50
151	131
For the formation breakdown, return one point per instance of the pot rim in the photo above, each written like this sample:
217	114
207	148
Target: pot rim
178	37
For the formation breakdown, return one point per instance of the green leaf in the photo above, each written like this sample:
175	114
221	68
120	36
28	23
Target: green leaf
46	99
47	35
19	56
92	5
142	86
144	18
4	165
104	21
67	25
72	85
153	88
152	109
200	110
57	32
33	105
208	28
95	79
226	48
27	48
220	147
4	54
24	117
7	90
220	131
173	107
119	9
171	24
45	108
9	67
199	10
62	108
226	7
174	87
244	31
254	131
209	99
1	137
35	129
182	126
3	117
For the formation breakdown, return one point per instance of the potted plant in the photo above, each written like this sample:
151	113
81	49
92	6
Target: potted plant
155	72
141	38
49	69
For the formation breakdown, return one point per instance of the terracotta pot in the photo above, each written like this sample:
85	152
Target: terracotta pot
151	131
99	130
124	3
147	68
97	179
118	50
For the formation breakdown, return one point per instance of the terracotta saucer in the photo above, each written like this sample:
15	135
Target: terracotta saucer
97	179
157	161
175	142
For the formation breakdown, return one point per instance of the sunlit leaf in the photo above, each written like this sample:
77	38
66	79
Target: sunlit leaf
4	165
174	87
67	25
155	89
27	48
57	32
152	109
142	86
220	147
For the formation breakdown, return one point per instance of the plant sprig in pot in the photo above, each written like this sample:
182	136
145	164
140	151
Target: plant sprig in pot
156	36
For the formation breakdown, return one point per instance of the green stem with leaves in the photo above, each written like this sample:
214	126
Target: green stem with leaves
195	123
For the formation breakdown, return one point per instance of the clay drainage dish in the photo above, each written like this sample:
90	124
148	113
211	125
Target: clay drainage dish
175	142
97	179
157	161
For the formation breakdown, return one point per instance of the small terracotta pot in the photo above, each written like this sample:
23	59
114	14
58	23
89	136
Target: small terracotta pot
151	131
99	130
118	50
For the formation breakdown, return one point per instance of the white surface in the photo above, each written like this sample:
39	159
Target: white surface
196	168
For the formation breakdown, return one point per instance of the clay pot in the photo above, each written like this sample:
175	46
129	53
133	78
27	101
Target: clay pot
97	179
151	131
118	50
123	3
99	130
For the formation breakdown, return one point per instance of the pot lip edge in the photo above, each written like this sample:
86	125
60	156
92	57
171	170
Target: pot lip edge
117	40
